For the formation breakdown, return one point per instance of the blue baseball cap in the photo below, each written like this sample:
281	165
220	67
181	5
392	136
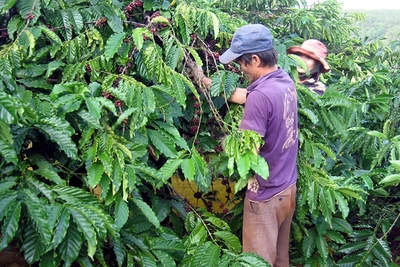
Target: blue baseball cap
248	39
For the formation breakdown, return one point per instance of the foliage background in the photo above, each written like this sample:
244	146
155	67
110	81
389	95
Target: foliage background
379	24
97	114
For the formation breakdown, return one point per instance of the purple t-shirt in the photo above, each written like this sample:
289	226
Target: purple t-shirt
271	110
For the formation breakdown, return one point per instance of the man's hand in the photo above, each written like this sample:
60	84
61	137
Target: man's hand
196	72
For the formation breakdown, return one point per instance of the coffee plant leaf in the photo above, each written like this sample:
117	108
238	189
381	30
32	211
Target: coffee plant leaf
113	44
147	211
10	225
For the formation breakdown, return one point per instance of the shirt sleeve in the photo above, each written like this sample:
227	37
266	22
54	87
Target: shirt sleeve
257	113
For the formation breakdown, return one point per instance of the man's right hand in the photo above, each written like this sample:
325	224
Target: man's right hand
196	72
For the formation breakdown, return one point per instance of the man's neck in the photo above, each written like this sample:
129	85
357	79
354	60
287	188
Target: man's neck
266	70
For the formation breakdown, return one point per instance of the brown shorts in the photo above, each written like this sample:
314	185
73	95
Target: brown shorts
266	227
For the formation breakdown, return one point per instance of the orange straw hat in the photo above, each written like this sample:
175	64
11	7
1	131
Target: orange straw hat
313	49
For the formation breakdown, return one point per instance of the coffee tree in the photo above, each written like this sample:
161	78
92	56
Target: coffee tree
97	113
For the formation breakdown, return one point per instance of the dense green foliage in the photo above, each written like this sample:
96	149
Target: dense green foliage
379	24
97	114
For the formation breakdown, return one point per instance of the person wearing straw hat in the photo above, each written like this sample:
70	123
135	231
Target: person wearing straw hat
270	109
313	52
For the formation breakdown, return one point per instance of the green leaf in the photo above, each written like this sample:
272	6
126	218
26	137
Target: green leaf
137	35
10	225
95	172
65	22
121	213
147	260
395	164
94	107
51	35
38	215
322	246
8	110
113	20
203	175
117	174
32	246
76	196
352	247
6	5
377	134
71	245
198	235
309	243
92	121
207	255
327	150
243	165
5	187
169	168
390	180
218	223
162	143
251	259
324	204
113	44
76	19
261	167
215	23
349	261
341	225
49	259
46	169
196	56
118	248
230	240
147	211
168	245
179	89
336	237
61	228
165	259
86	228
61	137
8	152
31	41
342	204
240	184
6	202
170	130
188	169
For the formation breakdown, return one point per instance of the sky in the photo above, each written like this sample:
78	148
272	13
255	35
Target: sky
366	4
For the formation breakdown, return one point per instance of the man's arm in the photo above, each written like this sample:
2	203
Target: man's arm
238	96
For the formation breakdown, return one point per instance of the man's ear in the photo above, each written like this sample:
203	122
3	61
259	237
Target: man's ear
256	59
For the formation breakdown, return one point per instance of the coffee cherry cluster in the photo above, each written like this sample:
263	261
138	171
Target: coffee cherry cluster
100	22
88	68
209	206
4	34
29	16
132	5
128	10
198	194
218	148
107	95
119	103
187	205
193	36
157	26
116	82
155	15
225	181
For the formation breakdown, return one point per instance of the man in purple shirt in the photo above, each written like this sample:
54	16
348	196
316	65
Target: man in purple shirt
270	110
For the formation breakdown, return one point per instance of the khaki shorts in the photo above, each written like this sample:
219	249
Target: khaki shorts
266	227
